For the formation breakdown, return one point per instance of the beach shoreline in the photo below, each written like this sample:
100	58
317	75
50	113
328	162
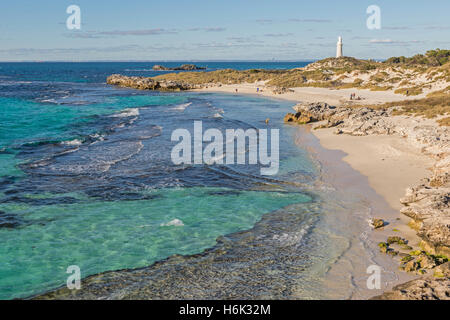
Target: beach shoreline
394	165
345	178
345	278
387	134
361	175
310	94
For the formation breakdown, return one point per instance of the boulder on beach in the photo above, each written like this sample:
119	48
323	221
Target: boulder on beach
377	223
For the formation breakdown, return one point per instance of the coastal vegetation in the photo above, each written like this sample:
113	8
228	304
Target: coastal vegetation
435	104
425	76
431	58
408	76
225	76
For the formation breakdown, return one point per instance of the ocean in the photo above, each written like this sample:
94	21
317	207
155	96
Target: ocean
86	179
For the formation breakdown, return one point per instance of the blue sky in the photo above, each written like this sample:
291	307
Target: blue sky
219	30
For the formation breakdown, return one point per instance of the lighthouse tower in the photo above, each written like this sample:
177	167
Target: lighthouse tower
339	48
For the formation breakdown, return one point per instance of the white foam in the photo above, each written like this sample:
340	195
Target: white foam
50	101
130	112
138	70
74	142
291	238
174	222
182	107
97	138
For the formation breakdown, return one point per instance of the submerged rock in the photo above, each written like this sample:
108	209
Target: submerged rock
9	221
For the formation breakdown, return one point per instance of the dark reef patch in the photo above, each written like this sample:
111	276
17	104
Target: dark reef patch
9	221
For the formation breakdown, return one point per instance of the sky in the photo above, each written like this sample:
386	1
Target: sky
219	30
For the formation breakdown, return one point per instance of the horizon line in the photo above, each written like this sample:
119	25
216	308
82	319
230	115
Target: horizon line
187	60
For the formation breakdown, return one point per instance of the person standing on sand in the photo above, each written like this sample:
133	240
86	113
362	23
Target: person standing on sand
236	90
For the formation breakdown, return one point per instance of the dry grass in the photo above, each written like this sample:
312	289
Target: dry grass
445	122
327	73
412	91
226	76
434	105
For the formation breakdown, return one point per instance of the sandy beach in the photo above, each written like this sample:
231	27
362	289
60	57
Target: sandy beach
390	164
312	94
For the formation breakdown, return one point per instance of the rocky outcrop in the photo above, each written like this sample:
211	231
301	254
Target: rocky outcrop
281	90
311	113
297	118
427	204
353	121
145	83
184	67
420	289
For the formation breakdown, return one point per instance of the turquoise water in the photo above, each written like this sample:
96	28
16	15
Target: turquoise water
25	121
99	236
86	177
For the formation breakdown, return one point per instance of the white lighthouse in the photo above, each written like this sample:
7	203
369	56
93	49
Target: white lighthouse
339	48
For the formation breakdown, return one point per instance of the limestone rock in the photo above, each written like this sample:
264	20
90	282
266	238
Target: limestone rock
377	223
396	239
419	289
442	270
297	118
145	83
184	67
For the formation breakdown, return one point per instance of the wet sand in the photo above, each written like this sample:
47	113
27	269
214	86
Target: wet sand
355	183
